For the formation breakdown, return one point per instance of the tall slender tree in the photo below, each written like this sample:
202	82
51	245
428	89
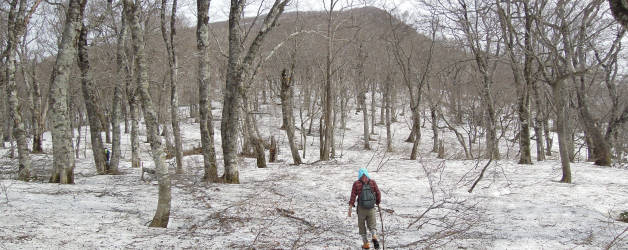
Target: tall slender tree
91	102
162	215
17	22
471	14
240	68
63	160
287	112
522	79
123	73
206	121
363	87
327	131
557	66
172	62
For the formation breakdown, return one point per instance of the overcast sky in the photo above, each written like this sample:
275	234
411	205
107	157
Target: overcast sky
219	9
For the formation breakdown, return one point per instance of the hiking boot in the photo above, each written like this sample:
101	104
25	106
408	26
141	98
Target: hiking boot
375	243
366	246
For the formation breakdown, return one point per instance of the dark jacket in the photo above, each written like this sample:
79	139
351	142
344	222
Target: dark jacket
357	189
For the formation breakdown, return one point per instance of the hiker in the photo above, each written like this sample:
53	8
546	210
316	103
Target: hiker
368	196
107	156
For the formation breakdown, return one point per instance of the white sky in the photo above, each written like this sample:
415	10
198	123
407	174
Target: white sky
219	9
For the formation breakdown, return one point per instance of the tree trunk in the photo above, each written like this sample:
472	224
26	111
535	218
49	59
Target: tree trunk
416	127
382	110
11	144
125	111
373	108
15	30
162	214
365	119
524	127
548	137
2	113
272	150
7	123
63	160
538	124
562	129
389	147
135	140
78	120
206	120
328	131
91	106
36	111
332	141
436	145
163	120
486	72
601	149
522	77
492	144
620	11
174	99
238	70
231	104
524	109
393	105
416	119
256	142
288	114
589	144
106	124
123	74
343	110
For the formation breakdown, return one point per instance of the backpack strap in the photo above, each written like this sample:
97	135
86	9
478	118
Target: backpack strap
367	182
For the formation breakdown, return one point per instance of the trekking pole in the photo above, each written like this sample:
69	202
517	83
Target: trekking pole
381	219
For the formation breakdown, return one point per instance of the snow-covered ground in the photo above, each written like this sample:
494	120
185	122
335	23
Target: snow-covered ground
425	203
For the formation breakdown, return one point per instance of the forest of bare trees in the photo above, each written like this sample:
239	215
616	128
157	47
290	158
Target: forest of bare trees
501	77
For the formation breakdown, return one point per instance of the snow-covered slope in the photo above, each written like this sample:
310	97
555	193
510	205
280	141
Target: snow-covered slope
425	203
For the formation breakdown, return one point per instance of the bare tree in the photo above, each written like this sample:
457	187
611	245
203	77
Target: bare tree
162	214
362	90
557	66
123	72
63	165
29	68
250	130
206	123
134	110
415	68
172	62
91	106
239	69
288	113
18	19
540	120
617	116
387	84
477	37
521	74
327	131
599	144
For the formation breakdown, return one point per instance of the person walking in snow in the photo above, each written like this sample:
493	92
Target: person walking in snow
368	196
107	156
